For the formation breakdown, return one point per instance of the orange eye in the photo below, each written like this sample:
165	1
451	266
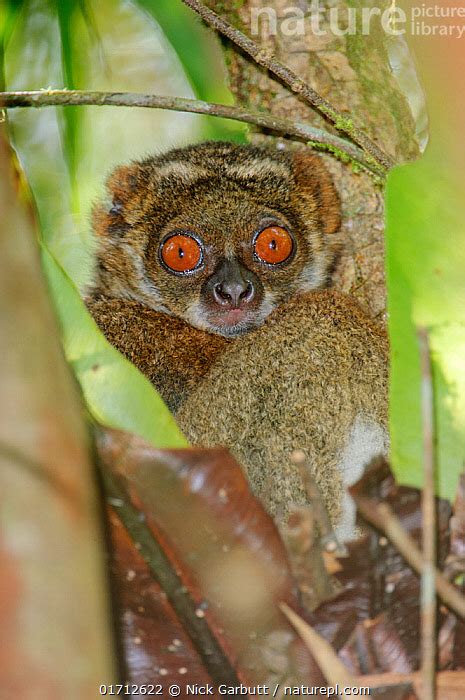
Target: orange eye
181	253
273	245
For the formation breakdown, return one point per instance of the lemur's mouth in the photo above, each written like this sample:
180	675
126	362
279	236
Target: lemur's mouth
231	317
229	322
232	322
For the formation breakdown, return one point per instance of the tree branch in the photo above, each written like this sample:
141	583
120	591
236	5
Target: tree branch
321	140
267	60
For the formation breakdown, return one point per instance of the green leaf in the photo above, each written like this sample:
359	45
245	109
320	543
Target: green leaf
69	120
116	393
199	51
9	11
426	283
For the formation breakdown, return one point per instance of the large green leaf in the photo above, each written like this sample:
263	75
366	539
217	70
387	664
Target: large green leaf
116	393
426	283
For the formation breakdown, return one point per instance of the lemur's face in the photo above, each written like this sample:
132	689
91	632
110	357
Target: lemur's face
216	234
226	279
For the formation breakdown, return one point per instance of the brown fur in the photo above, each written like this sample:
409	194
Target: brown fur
298	382
172	354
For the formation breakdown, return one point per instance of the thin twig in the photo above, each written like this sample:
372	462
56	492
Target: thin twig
328	537
428	507
382	517
302	539
267	60
317	138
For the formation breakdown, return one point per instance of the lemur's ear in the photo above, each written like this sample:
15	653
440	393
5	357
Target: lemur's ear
314	180
122	205
125	182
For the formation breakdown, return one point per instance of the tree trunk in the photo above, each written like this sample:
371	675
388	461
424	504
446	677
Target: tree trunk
354	73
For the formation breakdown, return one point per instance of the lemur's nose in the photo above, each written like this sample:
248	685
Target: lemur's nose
233	293
232	284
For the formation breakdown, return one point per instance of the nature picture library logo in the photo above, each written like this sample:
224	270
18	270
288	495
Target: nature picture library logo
417	20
